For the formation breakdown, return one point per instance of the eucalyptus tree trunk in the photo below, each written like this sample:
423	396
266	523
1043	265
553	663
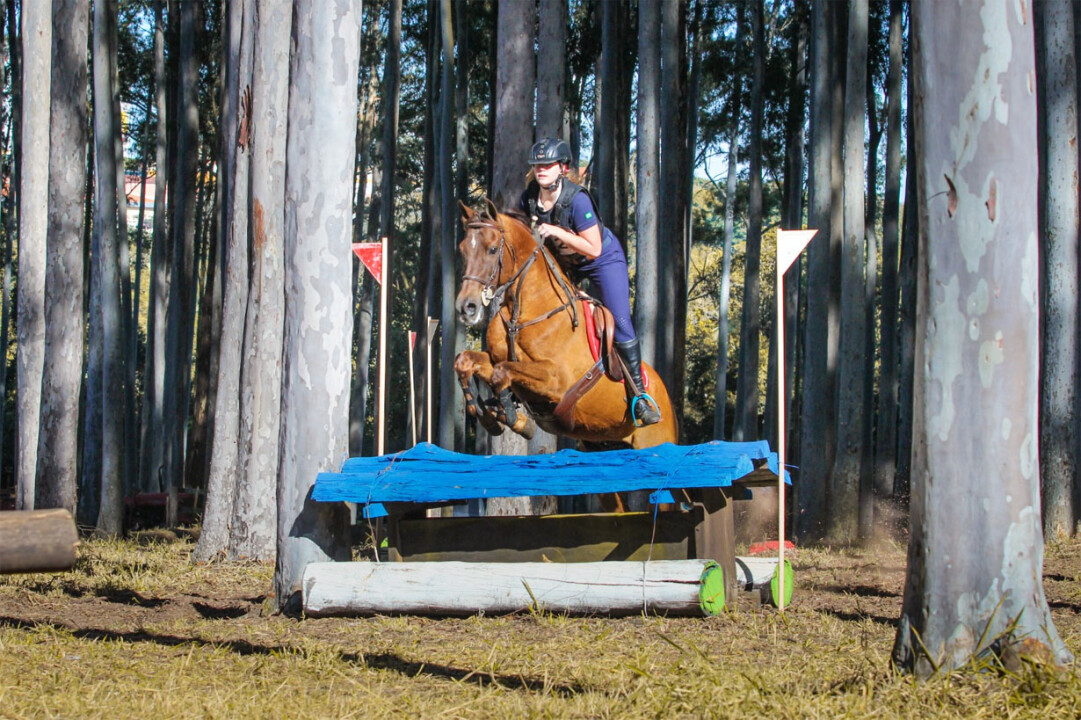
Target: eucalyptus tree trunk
261	379
391	100
817	419
604	142
670	346
1060	435
151	456
550	74
89	488
451	407
976	464
106	229
62	371
236	130
447	277
845	490
552	70
746	420
885	463
509	147
648	202
362	313
317	354
906	336
37	33
9	57
180	317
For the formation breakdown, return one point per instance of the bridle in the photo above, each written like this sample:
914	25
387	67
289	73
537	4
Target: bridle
492	291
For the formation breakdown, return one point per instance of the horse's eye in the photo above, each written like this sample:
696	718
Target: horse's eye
493	250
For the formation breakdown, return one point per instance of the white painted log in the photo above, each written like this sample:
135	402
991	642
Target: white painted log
671	587
752	573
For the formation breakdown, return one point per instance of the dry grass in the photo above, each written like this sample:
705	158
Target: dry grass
137	630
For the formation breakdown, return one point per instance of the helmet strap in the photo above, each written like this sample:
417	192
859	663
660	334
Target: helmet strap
553	186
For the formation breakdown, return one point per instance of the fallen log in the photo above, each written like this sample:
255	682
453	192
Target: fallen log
666	587
37	541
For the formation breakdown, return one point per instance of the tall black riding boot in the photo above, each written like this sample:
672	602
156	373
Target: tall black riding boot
643	407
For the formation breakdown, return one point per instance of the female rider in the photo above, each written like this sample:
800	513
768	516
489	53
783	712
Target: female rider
565	217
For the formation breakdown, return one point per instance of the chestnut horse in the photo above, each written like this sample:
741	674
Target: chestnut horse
537	343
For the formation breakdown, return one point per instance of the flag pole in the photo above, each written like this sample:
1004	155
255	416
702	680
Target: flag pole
383	322
790	244
432	325
412	388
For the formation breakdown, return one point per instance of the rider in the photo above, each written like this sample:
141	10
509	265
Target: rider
566	217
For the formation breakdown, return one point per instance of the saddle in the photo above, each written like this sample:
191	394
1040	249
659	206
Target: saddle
600	333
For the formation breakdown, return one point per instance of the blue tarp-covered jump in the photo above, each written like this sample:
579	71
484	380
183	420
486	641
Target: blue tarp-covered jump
431	475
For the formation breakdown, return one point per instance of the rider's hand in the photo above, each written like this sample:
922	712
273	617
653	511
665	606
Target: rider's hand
551	234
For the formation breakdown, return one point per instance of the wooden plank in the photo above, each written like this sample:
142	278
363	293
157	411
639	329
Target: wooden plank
428	474
552	538
455	588
37	541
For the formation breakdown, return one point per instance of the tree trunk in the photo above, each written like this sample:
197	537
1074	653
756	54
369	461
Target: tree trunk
672	284
318	315
391	99
746	421
977	347
261	406
817	420
62	373
106	226
552	70
907	311
886	436
151	456
845	488
447	280
648	202
179	322
1060	436
37	33
236	125
511	140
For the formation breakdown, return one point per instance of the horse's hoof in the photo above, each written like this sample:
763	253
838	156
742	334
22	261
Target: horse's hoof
525	426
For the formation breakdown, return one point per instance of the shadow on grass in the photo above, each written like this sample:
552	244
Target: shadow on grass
860	617
859	591
382	661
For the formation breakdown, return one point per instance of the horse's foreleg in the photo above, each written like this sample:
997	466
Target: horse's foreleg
471	366
535	381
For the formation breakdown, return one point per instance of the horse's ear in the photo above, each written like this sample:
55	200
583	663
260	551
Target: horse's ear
467	212
493	212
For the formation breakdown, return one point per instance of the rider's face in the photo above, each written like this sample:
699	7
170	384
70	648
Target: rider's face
548	174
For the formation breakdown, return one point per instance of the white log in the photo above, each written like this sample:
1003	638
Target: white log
752	573
670	587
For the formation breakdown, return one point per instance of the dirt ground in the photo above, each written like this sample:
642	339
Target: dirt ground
138	629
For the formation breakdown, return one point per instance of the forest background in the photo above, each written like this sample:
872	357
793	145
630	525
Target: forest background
166	203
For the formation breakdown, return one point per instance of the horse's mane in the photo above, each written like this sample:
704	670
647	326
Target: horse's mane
516	214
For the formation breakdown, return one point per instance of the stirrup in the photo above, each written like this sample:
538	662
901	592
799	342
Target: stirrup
647	398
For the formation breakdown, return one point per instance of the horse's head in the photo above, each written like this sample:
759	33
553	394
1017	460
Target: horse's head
485	260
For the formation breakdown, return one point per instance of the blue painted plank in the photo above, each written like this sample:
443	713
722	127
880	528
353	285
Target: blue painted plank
430	474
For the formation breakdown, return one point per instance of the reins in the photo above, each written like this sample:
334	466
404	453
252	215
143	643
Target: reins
490	292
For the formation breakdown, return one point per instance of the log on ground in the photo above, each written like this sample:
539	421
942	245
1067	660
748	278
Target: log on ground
669	587
37	541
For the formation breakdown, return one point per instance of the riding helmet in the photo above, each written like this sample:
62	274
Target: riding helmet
549	150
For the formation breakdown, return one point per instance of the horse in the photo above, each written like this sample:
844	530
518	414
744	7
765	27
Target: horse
538	353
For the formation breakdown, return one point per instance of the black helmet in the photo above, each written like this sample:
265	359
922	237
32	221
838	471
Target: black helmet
549	150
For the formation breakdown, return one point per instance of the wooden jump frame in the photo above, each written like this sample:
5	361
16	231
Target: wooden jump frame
453	553
37	541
